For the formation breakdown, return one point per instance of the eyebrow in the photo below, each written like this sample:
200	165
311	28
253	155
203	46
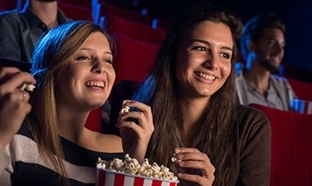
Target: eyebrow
90	49
274	39
207	43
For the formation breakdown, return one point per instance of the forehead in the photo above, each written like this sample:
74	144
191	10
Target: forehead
96	38
210	31
272	33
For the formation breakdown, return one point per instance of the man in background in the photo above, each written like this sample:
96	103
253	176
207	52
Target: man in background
262	45
20	30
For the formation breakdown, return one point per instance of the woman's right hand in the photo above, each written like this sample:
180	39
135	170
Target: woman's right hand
14	104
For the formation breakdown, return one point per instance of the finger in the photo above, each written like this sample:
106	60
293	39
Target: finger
25	96
141	107
142	115
184	150
15	81
8	71
193	157
137	116
201	165
15	102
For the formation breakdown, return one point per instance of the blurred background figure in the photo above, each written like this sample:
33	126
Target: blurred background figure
262	46
20	30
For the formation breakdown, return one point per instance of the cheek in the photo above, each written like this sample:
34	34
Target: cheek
185	64
226	70
111	74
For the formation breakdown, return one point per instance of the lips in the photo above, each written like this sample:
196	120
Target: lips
205	76
96	84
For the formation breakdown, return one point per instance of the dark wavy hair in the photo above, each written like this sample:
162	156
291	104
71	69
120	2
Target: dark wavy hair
215	134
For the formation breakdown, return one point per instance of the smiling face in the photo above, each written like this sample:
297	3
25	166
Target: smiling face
87	80
204	59
269	49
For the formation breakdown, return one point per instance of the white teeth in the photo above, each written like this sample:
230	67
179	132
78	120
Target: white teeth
95	84
206	76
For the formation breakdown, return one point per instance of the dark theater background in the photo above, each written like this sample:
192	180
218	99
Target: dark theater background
296	14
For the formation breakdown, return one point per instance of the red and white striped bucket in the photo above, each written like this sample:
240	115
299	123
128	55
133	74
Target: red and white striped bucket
113	178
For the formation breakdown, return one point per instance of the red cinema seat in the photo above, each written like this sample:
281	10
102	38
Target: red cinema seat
134	59
291	156
94	121
117	25
8	4
132	15
302	89
76	12
81	3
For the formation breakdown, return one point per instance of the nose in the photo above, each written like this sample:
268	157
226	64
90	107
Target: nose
211	61
279	48
98	66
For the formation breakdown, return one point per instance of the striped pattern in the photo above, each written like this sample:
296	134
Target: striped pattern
29	167
111	178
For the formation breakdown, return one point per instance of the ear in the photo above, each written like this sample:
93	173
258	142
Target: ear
251	46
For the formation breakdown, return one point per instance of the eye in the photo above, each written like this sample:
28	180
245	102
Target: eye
108	61
272	43
83	58
200	48
225	55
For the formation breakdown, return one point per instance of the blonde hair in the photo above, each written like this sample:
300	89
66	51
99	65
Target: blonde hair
49	60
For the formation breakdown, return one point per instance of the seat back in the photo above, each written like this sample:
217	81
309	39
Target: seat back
291	156
118	25
76	12
94	120
302	89
134	59
81	3
298	73
132	15
8	4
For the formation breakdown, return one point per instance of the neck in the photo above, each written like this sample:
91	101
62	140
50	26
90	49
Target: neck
258	77
46	11
71	125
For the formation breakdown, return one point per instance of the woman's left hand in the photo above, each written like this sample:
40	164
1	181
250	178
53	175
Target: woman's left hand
194	167
136	128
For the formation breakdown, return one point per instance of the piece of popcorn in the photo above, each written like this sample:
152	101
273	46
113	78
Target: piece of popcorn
132	166
28	87
174	158
124	108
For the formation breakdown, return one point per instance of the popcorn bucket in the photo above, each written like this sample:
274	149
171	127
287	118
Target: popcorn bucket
113	178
